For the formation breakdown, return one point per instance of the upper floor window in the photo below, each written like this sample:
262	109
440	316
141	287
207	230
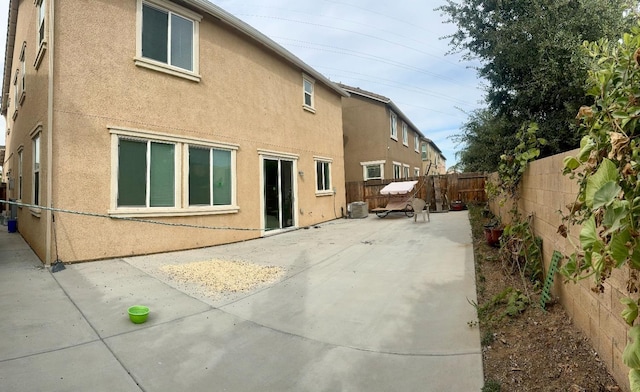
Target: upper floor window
41	31
323	176
307	91
405	134
16	93
416	142
425	156
168	38
394	126
23	73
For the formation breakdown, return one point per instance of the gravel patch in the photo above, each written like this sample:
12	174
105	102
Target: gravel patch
221	276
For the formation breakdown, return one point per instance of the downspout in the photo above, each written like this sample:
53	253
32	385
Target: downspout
49	215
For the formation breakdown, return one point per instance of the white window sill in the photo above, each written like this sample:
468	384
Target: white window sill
23	95
40	55
394	138
324	193
309	109
15	114
35	211
405	144
168	69
161	212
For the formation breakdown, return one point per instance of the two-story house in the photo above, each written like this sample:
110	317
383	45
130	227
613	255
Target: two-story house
380	142
433	161
161	125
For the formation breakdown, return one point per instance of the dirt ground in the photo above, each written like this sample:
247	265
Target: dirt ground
529	349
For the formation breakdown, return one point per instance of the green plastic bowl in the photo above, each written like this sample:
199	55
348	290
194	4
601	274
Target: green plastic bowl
138	314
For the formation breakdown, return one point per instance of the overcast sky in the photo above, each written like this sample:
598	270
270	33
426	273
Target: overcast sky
392	49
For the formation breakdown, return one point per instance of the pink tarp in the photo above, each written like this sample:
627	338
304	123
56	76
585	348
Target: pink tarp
398	188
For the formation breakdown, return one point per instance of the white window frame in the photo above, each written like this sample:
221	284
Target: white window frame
181	206
425	147
41	26
16	94
405	134
36	163
20	171
416	172
155	65
365	172
322	160
405	171
23	72
397	170
311	94
416	143
393	118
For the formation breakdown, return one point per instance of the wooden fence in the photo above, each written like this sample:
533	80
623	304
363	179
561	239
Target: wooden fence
438	190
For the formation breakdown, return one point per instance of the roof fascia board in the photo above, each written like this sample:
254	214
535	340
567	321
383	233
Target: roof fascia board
8	53
243	27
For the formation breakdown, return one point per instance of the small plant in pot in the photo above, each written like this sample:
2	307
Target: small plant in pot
492	232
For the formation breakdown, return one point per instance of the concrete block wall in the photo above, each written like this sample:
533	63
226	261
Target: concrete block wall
544	192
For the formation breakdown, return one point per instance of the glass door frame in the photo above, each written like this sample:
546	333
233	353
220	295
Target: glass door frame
278	156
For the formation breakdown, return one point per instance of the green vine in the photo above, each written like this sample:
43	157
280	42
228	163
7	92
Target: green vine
606	169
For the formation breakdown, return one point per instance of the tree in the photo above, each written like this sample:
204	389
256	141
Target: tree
529	51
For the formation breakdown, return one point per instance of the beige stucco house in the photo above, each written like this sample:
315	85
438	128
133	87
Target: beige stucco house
175	112
433	160
380	142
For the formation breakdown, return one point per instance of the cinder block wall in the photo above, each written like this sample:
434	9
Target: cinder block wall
544	192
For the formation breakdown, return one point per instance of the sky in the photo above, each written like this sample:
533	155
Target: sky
397	51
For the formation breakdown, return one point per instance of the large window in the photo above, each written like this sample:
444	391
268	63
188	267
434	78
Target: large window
209	176
36	170
394	126
161	174
168	38
372	170
307	90
146	174
323	176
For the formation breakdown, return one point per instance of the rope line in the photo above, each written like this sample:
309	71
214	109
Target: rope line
155	222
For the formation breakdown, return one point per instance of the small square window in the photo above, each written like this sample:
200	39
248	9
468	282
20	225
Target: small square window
323	176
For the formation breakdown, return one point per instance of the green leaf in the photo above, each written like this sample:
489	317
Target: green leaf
588	235
571	163
605	173
606	194
618	247
631	354
634	380
635	259
613	216
597	260
630	312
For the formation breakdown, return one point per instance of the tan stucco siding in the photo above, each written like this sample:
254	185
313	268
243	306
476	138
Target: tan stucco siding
367	130
30	118
246	96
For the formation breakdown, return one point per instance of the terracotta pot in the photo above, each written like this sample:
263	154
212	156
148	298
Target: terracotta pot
493	234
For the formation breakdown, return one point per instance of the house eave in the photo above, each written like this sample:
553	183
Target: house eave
225	17
8	53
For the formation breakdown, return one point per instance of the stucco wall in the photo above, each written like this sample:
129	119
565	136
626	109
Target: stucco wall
246	96
21	127
367	138
544	192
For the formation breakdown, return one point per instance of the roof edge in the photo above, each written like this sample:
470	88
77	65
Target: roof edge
253	33
8	53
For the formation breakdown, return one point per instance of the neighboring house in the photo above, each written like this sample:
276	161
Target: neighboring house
432	159
380	142
170	111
